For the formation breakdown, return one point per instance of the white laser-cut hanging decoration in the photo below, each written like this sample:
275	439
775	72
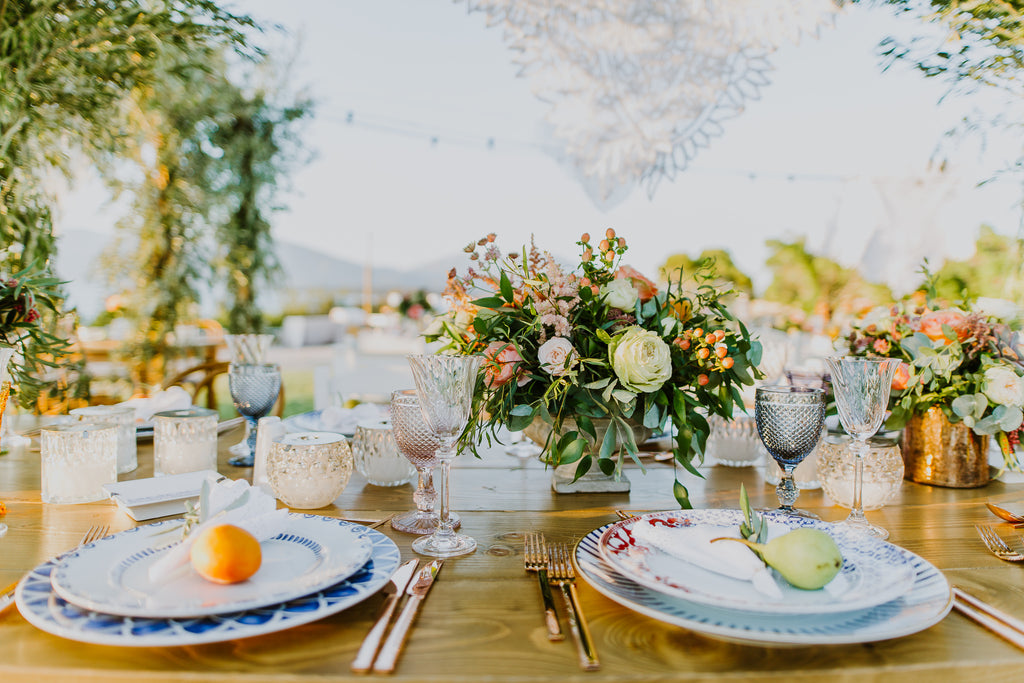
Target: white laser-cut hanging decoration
637	87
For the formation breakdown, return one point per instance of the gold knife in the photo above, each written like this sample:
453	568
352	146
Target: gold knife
396	639
396	588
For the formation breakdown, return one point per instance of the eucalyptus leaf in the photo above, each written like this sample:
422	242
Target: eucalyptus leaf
681	495
608	443
598	384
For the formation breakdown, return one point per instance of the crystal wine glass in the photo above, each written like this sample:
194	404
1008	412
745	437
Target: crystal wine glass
789	422
254	389
861	387
419	444
445	385
246	349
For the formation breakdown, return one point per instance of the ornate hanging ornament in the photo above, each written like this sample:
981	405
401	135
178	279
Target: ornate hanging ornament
637	87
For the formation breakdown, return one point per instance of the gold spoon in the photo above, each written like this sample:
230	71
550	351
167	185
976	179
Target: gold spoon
1005	514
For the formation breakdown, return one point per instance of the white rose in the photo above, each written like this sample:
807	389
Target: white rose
620	293
1004	387
557	356
995	308
641	360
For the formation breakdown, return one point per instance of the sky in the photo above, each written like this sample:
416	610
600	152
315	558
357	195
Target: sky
835	151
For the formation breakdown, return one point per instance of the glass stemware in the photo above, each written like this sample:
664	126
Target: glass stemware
789	422
445	385
419	444
246	349
254	389
861	387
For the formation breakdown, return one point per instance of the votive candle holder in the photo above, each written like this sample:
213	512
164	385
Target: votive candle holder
309	470
76	461
184	441
124	418
377	456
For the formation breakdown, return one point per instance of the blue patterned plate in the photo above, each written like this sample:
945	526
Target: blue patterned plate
925	604
49	612
111	575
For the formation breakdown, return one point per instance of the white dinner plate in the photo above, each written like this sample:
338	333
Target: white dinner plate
111	575
47	611
873	571
925	604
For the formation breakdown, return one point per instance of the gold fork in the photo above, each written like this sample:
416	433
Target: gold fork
535	559
94	533
562	574
998	546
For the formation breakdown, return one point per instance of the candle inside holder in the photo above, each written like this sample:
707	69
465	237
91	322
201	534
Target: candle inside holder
308	470
184	441
124	418
883	470
76	461
377	456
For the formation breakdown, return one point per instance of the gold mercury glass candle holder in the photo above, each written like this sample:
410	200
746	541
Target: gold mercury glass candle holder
377	456
309	470
184	441
76	461
124	418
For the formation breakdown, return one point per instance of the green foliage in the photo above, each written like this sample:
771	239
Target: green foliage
718	261
810	283
993	271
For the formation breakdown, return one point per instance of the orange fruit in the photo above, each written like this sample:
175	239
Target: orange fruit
226	554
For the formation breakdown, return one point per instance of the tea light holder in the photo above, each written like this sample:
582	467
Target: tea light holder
883	470
377	456
124	418
734	443
309	470
184	441
77	460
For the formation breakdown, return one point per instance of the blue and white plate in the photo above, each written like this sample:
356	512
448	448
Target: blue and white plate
111	575
46	610
873	571
925	604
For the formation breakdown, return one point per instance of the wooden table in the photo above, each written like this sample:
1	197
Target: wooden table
482	621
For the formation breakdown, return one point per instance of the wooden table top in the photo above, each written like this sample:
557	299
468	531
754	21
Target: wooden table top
482	621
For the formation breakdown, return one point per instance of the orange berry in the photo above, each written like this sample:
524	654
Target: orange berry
585	237
698	332
226	554
721	351
610	256
603	246
585	282
727	362
711	338
610	233
720	335
703	353
622	243
684	344
702	380
587	255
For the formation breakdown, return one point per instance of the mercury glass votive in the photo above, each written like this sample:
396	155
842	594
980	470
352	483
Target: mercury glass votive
184	441
308	470
77	460
124	418
377	456
883	470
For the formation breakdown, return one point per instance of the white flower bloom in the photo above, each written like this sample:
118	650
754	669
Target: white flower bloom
620	293
1004	387
641	360
996	308
879	316
557	356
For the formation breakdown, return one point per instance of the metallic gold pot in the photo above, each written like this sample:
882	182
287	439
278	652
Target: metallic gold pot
941	453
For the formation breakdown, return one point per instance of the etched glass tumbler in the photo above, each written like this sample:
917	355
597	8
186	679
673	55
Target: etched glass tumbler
254	390
77	460
789	422
124	418
445	386
184	441
309	470
861	387
377	456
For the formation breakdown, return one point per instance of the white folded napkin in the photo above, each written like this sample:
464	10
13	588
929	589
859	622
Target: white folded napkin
172	398
230	502
693	544
344	420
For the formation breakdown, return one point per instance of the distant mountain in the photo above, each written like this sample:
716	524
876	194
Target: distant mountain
78	254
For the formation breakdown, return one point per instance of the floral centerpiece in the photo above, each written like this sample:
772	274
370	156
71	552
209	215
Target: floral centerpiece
964	359
598	342
24	337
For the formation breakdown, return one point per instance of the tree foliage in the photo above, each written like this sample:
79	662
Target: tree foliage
721	265
993	270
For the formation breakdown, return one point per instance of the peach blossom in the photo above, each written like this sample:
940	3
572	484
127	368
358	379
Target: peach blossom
644	287
932	322
901	377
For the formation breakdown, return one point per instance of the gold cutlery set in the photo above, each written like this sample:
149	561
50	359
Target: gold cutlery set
554	568
406	582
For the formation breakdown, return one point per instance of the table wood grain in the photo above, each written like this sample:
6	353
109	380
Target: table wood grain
482	621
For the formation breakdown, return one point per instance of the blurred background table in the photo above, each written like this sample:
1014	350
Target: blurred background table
482	621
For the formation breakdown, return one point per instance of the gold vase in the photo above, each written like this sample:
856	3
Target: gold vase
942	453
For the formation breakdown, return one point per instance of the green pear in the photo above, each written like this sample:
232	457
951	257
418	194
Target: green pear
806	558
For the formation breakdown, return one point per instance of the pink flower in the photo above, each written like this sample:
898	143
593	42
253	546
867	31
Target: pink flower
501	360
882	346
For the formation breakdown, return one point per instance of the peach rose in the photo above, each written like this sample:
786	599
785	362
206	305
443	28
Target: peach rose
901	377
932	322
644	287
500	363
